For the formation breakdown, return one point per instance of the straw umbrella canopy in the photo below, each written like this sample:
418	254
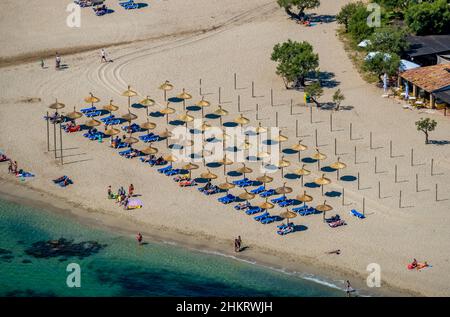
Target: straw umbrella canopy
242	120
147	125
147	102
226	186
91	99
166	134
208	175
129	93
202	104
166	86
305	198
302	172
322	181
186	118
262	155
284	189
112	131
56	105
244	169
170	158
185	96
149	150
110	107
319	157
225	161
282	164
74	114
129	116
190	167
266	205
260	128
338	166
221	112
205	126
288	214
246	196
166	111
299	147
264	179
280	138
245	145
324	208
130	140
92	123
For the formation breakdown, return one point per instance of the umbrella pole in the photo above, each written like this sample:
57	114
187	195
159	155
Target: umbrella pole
302	179
184	104
337	174
54	138
48	134
61	142
224	169
322	190
165	99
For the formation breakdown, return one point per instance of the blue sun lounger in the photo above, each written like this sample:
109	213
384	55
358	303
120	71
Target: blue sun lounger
284	226
267	220
301	208
93	113
285	231
227	199
357	214
105	119
262	216
213	190
240	181
164	169
244	206
258	190
134	128
245	184
287	202
267	193
307	212
172	172
85	110
279	199
253	210
125	152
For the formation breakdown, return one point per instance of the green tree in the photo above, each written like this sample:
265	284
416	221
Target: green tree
358	26
347	12
429	17
315	91
389	39
301	5
295	61
382	63
426	125
338	97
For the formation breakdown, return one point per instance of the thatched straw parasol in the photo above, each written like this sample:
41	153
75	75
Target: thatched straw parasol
338	166
185	96
208	175
284	189
226	186
129	93
322	181
324	208
241	120
166	111
91	99
299	147
221	112
56	105
202	104
244	170
246	196
319	157
147	102
264	179
288	214
166	86
190	167
302	172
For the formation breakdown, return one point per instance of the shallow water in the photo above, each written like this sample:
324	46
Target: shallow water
122	268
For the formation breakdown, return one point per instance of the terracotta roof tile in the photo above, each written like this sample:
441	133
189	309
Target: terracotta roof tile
429	78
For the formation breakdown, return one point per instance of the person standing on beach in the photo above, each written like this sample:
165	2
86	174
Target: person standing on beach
103	53
10	167
239	243
139	238
349	289
236	245
109	191
57	61
130	190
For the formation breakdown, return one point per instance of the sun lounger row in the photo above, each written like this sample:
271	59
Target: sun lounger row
132	128
265	218
129	5
151	137
63	181
94	135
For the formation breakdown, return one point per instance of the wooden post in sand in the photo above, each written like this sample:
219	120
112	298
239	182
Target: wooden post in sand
335	146
370	141
292	103
271	97
351	131
355	154
432	167
61	142
235	81
359	182
239	103
220	95
400	200
436	192
390	148
395	172
200	87
364	206
257	112
253	89
375	165
296	128
316	138
54	138
379	190
48	134
343	196
310	115
331	121
412	157
276	119
417	183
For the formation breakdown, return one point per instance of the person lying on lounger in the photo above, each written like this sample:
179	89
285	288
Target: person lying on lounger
3	158
149	158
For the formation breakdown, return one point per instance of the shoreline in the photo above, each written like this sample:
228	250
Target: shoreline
24	194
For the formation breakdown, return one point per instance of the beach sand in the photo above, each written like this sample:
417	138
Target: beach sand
150	48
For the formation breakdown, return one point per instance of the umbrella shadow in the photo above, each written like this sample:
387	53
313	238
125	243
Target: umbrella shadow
156	114
333	194
175	99
289	151
176	122
312	185
348	178
252	158
212	116
308	160
298	228
327	169
234	174
137	106
230	124
291	176
193	108
439	142
269	142
213	164
175	146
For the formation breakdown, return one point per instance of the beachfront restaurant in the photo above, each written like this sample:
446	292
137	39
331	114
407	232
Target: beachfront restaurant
428	86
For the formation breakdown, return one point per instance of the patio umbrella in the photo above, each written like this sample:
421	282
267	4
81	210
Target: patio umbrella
241	120
324	208
299	147
225	161
288	214
186	118
338	166
166	111
92	123
208	175
149	150
266	205
129	93
170	158
302	172
284	189
319	157
280	138
56	105
74	114
129	116
221	112
112	131
322	181
226	186
264	179
110	107
304	198
130	140
91	99
166	134
282	164
244	170
263	155
147	125
166	86
202	104
246	196
260	128
184	95
189	167
147	102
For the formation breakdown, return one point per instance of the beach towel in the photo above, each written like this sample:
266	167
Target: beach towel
134	203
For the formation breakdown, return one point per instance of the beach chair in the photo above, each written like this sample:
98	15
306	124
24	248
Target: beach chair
262	216
164	169
285	231
213	190
300	208
333	219
229	198
253	210
268	220
357	214
85	110
245	184
258	190
242	206
65	182
240	181
122	153
267	193
172	172
187	183
308	211
286	203
60	179
337	223
93	114
279	199
284	226
134	128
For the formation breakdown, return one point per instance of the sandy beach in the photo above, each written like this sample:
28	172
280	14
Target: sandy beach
185	41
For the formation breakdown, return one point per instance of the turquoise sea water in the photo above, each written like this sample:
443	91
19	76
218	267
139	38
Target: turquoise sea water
122	268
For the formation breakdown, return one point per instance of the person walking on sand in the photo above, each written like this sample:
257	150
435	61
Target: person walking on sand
15	167
57	60
109	191
349	289
239	243
236	245
103	53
